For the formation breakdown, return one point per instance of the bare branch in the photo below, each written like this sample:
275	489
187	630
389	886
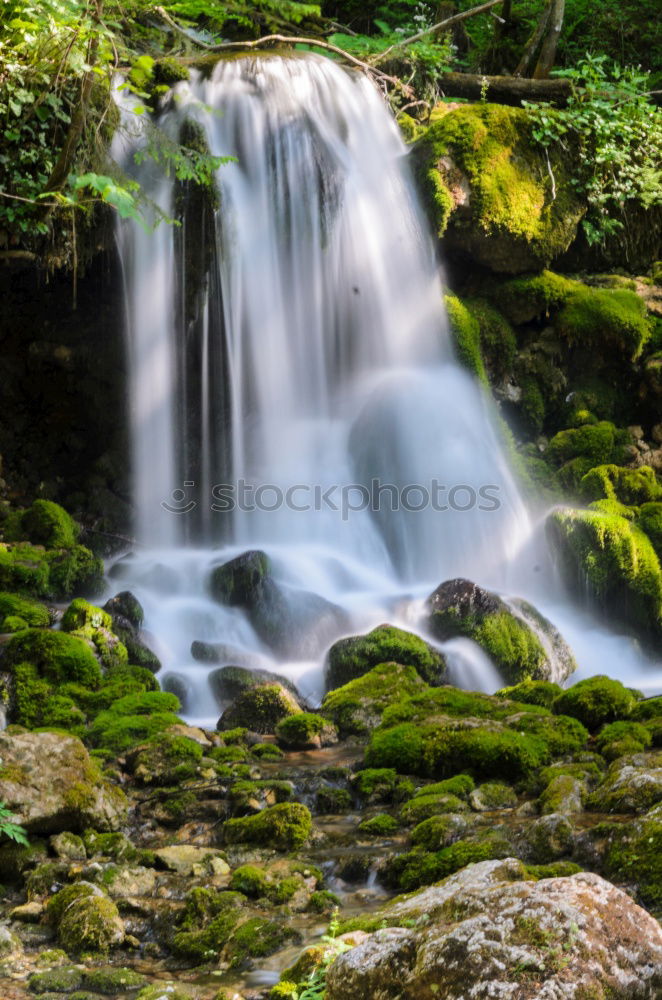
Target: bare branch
441	26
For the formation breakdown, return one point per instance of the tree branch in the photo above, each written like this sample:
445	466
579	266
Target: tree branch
440	26
504	89
269	40
533	42
549	46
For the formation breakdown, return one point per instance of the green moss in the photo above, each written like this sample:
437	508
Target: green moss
81	614
515	649
323	901
438	832
110	845
298	732
493	795
73	572
419	868
619	738
112	980
134	719
532	692
31	612
261	708
595	701
461	785
167	759
284	827
489	147
465	330
557	869
528	298
332	800
24	568
376	784
649	708
12	623
649	519
356	707
206	924
56	656
381	825
284	991
562	735
266	751
612	318
46	523
592	441
424	806
256	938
251	881
450	701
62	980
614	560
498	342
634	856
89	923
226	755
354	657
625	486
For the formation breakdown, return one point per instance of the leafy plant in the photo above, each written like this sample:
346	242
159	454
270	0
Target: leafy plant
613	133
315	988
10	828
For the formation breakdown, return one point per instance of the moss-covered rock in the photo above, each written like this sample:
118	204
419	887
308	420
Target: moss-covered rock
532	297
56	656
56	981
489	190
257	937
306	731
90	923
167	759
206	924
521	642
133	719
492	795
616	739
284	827
260	709
531	692
625	486
357	707
438	832
46	523
380	784
634	856
50	782
632	784
595	701
381	825
612	318
465	331
649	519
32	613
424	806
594	442
614	561
351	658
110	979
564	794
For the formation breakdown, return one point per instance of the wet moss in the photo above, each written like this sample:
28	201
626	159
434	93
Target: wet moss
356	707
208	920
530	692
537	296
354	657
332	800
439	831
166	760
56	656
133	720
31	613
595	701
299	732
616	739
598	317
381	825
424	806
465	331
256	938
46	523
284	827
594	442
623	486
616	562
81	614
649	519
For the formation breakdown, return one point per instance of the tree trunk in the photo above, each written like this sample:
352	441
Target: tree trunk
534	41
549	46
504	89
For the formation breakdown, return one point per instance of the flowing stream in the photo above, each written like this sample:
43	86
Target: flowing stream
288	349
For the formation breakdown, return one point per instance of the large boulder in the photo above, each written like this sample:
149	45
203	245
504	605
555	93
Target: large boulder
231	681
606	557
357	707
355	656
50	783
290	622
491	191
521	642
485	933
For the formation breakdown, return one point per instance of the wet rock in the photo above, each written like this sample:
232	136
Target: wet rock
492	795
68	847
289	622
50	782
484	933
306	731
564	794
283	827
632	784
351	658
10	945
126	606
547	839
230	682
357	707
521	642
260	709
184	859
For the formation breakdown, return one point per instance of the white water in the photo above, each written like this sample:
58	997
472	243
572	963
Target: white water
317	355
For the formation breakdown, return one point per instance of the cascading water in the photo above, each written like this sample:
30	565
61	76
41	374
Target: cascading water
293	339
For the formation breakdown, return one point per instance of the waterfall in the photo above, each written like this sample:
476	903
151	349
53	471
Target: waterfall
291	337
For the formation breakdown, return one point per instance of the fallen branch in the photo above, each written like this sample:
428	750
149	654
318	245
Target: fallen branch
434	29
9	256
504	89
270	40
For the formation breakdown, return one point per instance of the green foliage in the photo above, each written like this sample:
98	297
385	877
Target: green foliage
595	701
616	132
10	829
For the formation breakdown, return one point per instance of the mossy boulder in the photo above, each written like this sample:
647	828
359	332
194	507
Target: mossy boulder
46	523
492	795
422	807
531	692
595	701
532	297
256	938
81	614
206	923
626	486
260	709
564	794
488	188
110	979
288	622
634	856
51	783
351	658
56	656
133	719
126	606
167	759
381	825
649	519
612	319
61	980
617	739
229	682
594	442
357	707
614	561
521	642
85	919
32	613
306	731
632	784
284	827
